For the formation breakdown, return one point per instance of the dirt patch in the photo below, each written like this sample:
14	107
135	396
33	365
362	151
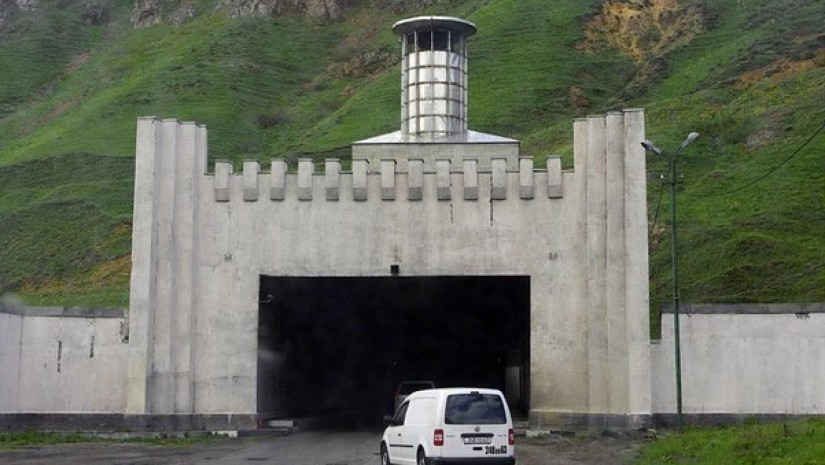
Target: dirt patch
642	30
612	449
780	70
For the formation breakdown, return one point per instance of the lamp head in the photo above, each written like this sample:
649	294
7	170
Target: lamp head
651	147
690	138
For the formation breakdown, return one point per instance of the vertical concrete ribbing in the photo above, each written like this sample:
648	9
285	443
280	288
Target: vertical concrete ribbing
615	299
577	399
144	255
596	265
636	265
162	382
201	153
184	230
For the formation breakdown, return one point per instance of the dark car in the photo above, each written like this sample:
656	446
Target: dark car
406	388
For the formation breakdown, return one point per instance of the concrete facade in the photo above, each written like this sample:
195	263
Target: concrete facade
62	360
743	360
201	242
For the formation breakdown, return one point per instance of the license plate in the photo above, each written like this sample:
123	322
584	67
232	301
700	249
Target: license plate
491	450
478	440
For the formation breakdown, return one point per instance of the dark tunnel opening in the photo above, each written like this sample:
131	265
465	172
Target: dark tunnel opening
341	345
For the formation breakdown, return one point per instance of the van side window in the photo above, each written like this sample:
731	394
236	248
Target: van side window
401	414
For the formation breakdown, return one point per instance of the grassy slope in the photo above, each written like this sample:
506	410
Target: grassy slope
67	135
743	239
800	442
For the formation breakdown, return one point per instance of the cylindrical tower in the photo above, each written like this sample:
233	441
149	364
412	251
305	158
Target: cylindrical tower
434	75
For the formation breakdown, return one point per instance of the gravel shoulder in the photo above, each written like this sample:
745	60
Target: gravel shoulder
612	449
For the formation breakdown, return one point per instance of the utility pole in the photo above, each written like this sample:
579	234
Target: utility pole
674	259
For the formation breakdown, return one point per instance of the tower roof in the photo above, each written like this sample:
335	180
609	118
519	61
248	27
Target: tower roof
427	22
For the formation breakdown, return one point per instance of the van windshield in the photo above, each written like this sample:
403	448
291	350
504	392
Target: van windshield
474	409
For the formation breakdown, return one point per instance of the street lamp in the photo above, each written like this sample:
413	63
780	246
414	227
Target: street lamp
651	147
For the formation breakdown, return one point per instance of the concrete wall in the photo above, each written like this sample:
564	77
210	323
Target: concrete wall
201	243
743	359
62	360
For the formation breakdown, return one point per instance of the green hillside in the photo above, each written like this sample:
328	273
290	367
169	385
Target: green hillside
749	76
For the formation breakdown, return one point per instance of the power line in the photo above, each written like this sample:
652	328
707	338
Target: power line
770	171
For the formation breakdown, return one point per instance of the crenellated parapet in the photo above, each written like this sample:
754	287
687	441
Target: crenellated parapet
462	181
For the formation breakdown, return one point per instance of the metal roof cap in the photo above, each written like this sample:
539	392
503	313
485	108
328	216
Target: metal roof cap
430	22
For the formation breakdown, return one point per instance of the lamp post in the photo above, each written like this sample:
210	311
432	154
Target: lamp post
651	147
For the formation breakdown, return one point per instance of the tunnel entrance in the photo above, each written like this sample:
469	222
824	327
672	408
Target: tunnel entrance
343	344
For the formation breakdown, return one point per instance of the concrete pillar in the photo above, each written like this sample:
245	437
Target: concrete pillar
190	157
615	303
636	267
201	161
144	255
596	263
170	161
162	386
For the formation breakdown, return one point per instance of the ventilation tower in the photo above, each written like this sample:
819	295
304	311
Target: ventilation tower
434	104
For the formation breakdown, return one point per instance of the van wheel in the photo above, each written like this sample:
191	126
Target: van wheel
422	459
385	456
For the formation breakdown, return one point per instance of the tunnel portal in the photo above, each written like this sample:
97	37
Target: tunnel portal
330	345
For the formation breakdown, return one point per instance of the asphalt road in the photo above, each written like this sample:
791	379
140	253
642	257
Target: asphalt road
315	448
312	448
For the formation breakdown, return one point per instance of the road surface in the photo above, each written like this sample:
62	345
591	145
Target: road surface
312	448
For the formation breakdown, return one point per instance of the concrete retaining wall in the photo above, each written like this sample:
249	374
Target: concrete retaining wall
743	359
58	359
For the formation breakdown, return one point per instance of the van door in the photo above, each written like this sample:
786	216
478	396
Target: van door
399	450
476	425
419	424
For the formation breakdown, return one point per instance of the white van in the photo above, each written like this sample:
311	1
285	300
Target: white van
450	426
